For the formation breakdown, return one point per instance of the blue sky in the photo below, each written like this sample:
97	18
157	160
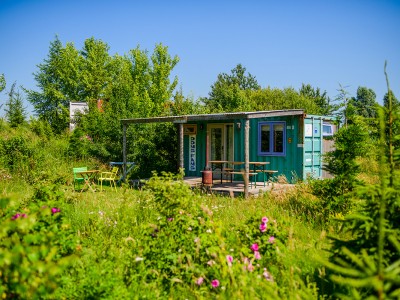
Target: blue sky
281	43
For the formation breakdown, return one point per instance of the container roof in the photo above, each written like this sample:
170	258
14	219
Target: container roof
216	117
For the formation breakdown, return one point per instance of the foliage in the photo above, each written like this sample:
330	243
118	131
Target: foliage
36	246
368	263
321	99
41	128
390	97
227	93
16	154
287	98
194	251
351	142
364	103
31	153
15	111
2	82
56	79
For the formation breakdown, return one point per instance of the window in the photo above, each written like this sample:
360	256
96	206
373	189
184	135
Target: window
271	138
327	130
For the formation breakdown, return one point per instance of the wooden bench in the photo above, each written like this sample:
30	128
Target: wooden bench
225	171
269	174
253	176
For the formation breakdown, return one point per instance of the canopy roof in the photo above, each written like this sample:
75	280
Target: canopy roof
219	116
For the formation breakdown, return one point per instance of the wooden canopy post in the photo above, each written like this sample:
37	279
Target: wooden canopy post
180	159
124	150
246	158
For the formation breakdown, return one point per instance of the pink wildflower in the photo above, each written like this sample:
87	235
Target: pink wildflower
264	220
257	255
55	210
215	283
254	247
211	262
263	227
250	268
271	239
199	281
229	259
170	219
15	216
267	275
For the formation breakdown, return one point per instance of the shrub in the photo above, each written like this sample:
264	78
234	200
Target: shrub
37	245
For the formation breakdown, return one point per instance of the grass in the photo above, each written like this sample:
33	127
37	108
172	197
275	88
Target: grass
129	208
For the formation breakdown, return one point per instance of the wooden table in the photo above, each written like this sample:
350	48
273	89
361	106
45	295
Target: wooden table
88	177
262	164
258	167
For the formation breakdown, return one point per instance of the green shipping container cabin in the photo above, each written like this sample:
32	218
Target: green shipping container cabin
291	141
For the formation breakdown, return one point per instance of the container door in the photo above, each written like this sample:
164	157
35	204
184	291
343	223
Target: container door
312	148
221	142
216	142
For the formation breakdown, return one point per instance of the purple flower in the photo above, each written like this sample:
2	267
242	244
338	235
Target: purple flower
170	219
264	220
254	247
199	281
229	259
55	210
263	227
215	283
15	216
271	239
257	255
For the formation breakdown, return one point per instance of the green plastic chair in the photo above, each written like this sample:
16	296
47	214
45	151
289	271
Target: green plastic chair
78	180
110	177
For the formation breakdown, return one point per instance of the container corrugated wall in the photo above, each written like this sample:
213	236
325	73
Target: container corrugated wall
313	149
289	165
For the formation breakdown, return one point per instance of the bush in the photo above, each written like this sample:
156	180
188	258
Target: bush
37	245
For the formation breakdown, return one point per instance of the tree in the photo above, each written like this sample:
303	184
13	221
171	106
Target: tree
95	75
366	261
2	85
345	111
58	82
288	98
395	102
320	98
161	88
364	103
227	92
2	82
15	112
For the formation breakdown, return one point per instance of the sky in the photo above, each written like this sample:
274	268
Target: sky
328	44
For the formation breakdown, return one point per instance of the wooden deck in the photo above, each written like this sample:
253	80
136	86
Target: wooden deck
236	188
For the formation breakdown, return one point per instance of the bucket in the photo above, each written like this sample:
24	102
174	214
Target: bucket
207	177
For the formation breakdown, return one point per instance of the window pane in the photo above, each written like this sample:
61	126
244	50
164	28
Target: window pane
229	142
265	132
216	144
327	129
278	137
